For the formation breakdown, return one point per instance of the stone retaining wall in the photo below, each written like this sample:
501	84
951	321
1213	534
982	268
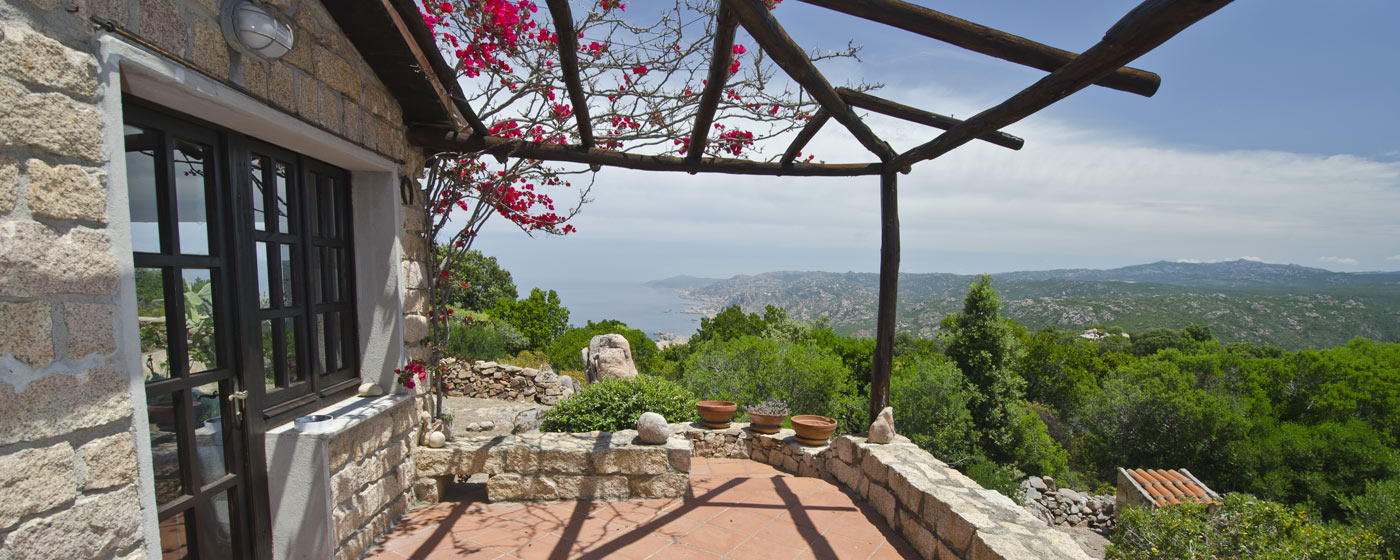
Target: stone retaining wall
1067	507
554	466
941	512
490	380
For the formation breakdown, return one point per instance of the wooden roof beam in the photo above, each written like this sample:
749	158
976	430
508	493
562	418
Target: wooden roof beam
443	140
920	116
568	64
760	23
805	135
985	40
714	83
460	110
1144	28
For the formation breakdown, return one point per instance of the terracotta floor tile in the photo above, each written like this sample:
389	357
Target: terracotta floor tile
744	520
702	512
628	546
591	532
819	519
548	547
784	532
461	549
760	549
472	525
714	539
511	536
898	550
680	551
734	468
857	526
670	526
846	548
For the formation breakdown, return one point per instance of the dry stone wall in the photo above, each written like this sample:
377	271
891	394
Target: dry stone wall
490	380
1067	507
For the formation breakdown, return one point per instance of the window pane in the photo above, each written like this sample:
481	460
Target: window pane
256	166
165	449
328	199
284	262
191	169
264	283
200	308
141	188
213	524
314	276
290	332
339	208
209	437
284	206
331	346
332	276
174	538
269	364
154	329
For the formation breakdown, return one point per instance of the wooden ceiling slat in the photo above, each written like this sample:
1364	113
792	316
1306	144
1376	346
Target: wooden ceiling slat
568	63
443	140
1141	30
459	108
714	83
760	23
985	40
920	116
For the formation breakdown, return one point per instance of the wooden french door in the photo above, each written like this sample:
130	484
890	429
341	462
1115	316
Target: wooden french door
199	437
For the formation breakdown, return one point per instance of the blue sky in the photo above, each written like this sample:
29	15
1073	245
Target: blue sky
1272	137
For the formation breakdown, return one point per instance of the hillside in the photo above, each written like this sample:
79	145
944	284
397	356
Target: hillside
1243	301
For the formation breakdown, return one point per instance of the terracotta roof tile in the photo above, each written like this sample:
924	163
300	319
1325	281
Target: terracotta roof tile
1171	487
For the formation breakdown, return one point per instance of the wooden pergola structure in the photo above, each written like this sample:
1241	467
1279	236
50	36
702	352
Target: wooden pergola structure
1148	25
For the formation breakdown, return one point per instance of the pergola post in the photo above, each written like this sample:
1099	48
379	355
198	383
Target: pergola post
889	292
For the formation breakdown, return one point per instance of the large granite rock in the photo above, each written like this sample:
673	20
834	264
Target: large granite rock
609	356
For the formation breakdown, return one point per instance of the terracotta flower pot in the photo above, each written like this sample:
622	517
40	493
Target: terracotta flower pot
765	423
812	429
716	414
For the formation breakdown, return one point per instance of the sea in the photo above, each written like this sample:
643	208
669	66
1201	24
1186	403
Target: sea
648	309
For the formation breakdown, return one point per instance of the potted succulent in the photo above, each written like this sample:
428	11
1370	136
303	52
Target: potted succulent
812	429
767	417
716	414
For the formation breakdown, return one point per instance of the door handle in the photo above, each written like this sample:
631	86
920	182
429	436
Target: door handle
239	400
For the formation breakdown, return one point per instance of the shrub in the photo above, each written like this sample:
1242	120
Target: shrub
615	404
750	369
540	317
996	476
1378	509
930	406
565	351
1244	527
475	340
1320	464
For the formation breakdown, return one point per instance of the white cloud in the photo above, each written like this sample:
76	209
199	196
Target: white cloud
1074	196
1393	258
1348	261
1252	259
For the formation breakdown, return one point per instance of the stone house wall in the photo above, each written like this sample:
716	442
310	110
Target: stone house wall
74	466
371	477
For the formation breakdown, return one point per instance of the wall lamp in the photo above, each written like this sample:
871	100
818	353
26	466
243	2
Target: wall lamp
251	29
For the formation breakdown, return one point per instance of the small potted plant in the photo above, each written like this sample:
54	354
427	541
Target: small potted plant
812	429
716	415
767	417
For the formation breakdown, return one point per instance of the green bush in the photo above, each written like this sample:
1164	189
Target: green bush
565	351
540	316
930	405
615	404
474	340
1378	509
1244	527
750	369
1321	464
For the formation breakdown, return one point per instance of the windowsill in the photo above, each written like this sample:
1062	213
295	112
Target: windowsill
347	414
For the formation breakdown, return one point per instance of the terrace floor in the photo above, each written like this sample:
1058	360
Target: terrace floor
738	509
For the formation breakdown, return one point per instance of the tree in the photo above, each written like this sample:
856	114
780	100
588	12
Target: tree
540	317
565	352
649	73
483	280
981	344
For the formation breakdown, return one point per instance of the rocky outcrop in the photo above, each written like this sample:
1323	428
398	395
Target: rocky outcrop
490	380
1067	507
609	356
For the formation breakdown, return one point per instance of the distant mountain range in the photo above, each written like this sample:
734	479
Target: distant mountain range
1289	306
